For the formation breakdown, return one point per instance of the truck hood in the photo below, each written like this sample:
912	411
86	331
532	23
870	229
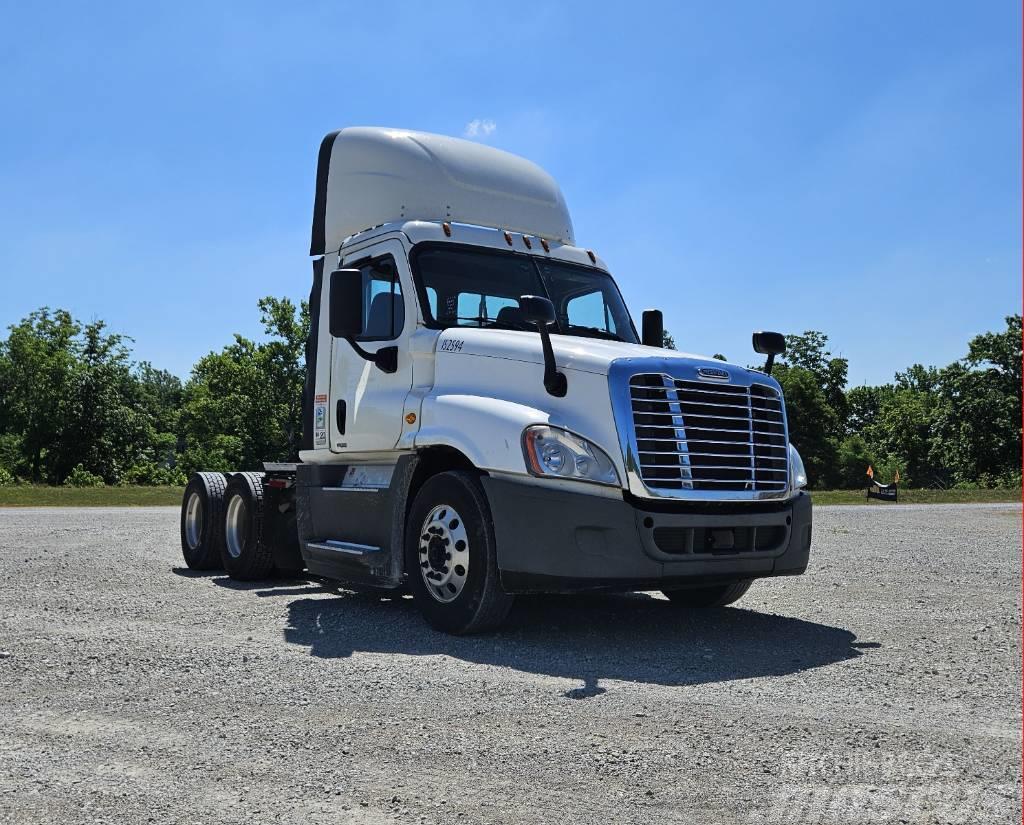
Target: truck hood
571	352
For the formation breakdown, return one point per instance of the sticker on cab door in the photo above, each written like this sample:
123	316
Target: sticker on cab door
320	425
452	345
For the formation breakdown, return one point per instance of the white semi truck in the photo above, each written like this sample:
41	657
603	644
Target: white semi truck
481	418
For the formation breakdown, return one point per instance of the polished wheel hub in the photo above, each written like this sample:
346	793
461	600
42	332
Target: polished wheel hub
444	553
193	520
236	526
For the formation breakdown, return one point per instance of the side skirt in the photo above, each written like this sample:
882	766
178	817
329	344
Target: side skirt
351	522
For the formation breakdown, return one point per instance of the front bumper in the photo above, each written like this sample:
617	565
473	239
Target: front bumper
555	541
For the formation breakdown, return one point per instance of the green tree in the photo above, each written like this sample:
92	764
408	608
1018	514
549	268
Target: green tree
107	428
69	399
810	352
811	422
160	393
862	405
899	436
977	420
243	405
38	365
814	385
852	461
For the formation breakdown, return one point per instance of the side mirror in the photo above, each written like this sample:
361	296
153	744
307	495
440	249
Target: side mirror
346	303
770	344
653	333
539	310
345	312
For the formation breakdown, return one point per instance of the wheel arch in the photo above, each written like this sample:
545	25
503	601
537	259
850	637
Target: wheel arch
412	473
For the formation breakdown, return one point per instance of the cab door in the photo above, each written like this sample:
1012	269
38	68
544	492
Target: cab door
366	403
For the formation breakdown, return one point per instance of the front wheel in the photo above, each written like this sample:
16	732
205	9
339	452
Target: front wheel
450	556
717	596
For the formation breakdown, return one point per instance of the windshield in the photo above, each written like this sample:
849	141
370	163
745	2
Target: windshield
462	286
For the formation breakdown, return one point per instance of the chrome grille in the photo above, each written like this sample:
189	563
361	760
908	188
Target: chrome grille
697	435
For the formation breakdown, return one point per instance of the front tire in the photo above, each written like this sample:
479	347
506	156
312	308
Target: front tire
202	521
450	556
246	554
717	596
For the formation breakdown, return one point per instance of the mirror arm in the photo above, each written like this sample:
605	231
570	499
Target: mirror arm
362	353
770	344
554	381
385	359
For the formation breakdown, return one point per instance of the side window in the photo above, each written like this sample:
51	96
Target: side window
589	310
383	306
432	301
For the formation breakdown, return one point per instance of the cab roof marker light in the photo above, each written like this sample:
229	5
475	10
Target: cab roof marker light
526	241
593	257
447	227
508	237
545	244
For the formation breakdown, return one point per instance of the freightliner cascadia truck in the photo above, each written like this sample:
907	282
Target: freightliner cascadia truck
482	419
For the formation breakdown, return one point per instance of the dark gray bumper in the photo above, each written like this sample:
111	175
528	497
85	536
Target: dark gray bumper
550	540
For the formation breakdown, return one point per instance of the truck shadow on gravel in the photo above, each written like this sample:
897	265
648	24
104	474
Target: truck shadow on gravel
629	637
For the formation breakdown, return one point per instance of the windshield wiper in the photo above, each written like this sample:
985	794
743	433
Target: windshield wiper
494	323
592	332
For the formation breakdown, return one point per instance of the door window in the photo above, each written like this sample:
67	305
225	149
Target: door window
383	305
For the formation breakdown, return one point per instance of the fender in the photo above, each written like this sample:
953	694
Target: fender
486	430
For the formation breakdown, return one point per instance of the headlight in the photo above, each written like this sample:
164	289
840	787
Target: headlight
555	453
797	473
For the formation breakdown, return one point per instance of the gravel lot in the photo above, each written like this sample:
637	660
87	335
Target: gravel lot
883	686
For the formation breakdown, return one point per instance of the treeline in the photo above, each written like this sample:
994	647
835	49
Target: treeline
76	409
958	426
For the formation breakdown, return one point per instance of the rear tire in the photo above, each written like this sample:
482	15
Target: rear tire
717	596
202	521
245	553
450	556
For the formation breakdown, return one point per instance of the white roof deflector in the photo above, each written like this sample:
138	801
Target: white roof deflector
367	176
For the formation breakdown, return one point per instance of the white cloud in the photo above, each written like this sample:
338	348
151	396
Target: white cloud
480	128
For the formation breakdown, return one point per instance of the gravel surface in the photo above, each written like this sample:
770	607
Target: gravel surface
883	686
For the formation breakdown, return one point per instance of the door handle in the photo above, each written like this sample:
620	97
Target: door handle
339	415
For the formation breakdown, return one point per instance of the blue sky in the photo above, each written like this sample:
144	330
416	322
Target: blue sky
853	167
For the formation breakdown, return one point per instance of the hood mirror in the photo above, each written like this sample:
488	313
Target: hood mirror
653	332
536	309
770	344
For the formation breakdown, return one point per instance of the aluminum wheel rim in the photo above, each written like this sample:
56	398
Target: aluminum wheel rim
194	520
236	527
444	553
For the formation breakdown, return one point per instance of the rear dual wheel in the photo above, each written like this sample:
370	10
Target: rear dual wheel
245	552
202	521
